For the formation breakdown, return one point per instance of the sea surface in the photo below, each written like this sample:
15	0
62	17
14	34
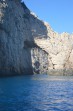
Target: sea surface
36	93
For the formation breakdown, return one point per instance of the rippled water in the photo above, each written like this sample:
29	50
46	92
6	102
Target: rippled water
36	93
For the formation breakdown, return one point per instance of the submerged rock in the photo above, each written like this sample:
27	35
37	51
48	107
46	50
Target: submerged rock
30	46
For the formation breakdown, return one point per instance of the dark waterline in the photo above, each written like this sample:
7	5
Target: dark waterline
36	93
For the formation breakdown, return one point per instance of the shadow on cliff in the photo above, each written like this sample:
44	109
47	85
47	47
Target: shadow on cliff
36	29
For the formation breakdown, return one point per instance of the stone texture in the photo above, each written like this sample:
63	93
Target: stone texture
30	46
14	58
39	61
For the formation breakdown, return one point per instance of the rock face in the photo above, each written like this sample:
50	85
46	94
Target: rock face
30	46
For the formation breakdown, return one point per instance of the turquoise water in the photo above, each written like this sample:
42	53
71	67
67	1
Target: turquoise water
36	93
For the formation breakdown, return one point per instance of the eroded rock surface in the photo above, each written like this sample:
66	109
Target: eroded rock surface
30	46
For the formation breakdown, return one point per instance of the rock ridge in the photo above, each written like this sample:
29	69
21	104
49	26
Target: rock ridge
29	45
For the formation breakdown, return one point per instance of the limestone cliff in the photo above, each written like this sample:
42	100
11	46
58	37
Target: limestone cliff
30	46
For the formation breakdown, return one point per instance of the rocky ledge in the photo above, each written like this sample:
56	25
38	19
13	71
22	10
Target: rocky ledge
30	46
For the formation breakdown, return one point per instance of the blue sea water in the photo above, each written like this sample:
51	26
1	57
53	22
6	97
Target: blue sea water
36	93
